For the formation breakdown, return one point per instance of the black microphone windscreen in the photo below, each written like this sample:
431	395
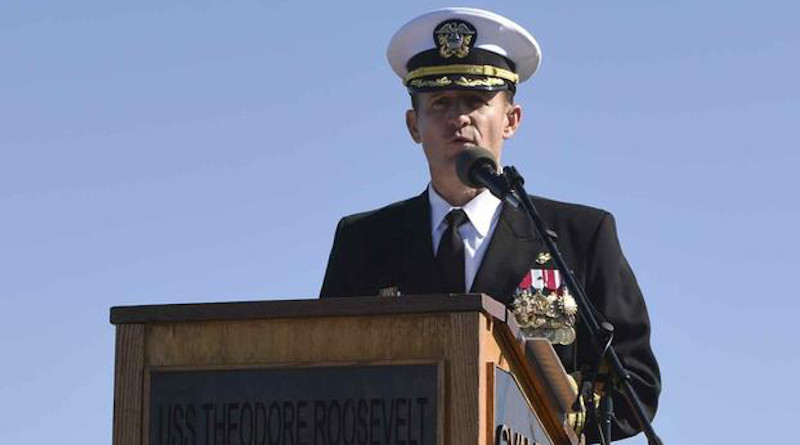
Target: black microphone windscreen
472	157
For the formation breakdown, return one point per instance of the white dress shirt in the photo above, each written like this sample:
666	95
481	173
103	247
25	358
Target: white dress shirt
483	212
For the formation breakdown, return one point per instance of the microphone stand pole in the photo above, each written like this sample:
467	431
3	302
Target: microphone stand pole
601	333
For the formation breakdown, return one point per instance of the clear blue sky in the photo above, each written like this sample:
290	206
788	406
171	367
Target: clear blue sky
174	151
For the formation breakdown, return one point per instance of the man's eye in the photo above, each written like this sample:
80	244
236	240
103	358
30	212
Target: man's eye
438	103
477	101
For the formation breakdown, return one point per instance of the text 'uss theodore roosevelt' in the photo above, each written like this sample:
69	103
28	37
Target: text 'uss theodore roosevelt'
367	421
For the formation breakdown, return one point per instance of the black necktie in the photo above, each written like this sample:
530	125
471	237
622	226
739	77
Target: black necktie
450	256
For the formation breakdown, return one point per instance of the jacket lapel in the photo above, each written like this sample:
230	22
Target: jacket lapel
419	272
510	255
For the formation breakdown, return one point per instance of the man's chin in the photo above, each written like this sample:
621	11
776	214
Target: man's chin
456	148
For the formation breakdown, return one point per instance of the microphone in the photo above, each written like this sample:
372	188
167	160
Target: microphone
476	168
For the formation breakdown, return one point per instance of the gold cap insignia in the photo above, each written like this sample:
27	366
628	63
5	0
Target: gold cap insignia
543	257
454	38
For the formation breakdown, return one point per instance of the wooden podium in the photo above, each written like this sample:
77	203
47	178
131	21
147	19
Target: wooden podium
409	370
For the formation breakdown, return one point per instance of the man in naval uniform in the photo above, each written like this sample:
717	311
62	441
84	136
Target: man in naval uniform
462	67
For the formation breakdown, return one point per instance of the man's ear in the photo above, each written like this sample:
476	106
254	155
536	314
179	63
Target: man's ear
411	124
513	119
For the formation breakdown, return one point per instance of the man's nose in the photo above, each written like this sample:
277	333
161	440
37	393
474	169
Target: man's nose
458	114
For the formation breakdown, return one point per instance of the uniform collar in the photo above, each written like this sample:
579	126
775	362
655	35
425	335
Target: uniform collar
480	210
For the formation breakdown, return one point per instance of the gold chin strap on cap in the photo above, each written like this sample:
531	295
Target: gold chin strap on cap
472	70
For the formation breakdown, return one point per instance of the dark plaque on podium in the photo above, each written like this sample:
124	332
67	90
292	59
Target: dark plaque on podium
343	405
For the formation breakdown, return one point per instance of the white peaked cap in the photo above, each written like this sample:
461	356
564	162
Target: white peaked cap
495	34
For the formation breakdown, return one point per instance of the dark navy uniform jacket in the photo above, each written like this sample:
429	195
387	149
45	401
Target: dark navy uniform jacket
392	247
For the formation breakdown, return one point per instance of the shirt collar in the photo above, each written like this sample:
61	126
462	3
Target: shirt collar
480	210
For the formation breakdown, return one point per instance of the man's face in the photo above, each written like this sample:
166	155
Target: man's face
446	122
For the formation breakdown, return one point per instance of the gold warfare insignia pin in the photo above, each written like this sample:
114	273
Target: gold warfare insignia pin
454	38
543	257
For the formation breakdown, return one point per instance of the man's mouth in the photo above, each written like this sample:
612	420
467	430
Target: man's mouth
462	140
